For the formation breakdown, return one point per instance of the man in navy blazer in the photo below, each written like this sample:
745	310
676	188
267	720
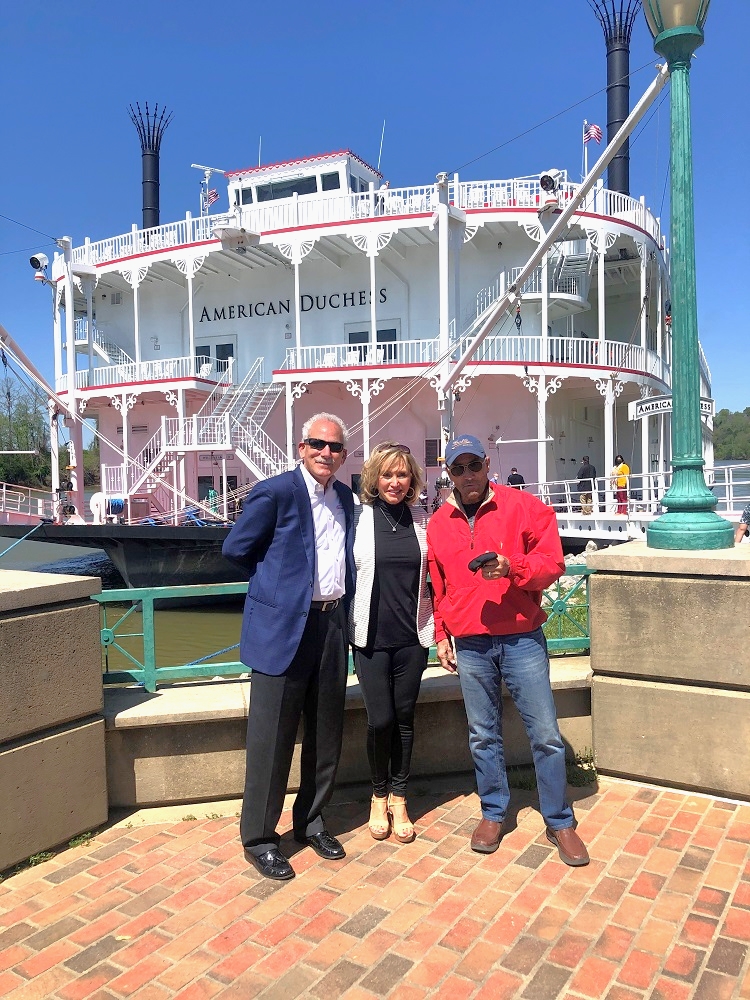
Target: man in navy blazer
295	538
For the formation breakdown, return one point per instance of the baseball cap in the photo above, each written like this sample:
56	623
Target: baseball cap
466	444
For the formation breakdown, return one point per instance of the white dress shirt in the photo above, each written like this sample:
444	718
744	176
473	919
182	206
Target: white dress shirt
329	524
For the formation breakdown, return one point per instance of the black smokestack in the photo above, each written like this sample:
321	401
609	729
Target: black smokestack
616	18
150	126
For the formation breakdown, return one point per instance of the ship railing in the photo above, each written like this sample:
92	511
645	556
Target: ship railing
392	352
197	432
254	377
16	501
570	285
224	385
332	208
148	371
610	354
260	449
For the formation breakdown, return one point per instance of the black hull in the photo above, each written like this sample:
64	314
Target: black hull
146	555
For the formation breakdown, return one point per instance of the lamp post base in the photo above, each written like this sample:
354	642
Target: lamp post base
700	529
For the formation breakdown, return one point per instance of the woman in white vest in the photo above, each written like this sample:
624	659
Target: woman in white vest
390	625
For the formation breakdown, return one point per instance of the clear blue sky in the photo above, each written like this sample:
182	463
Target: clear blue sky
452	81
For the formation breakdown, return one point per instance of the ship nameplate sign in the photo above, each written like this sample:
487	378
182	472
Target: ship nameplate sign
652	405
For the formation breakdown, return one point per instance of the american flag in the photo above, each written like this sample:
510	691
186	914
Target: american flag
213	194
591	132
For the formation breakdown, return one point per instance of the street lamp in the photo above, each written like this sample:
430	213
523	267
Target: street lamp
690	521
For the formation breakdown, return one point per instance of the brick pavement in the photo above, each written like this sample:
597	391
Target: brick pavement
172	910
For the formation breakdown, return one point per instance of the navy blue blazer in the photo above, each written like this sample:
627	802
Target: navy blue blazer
274	541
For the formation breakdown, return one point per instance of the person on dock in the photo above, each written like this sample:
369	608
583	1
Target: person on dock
619	482
495	621
743	528
515	479
295	537
586	479
390	625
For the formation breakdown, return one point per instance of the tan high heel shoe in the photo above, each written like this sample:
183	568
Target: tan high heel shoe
379	823
403	828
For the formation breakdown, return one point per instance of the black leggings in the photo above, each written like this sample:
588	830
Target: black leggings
390	680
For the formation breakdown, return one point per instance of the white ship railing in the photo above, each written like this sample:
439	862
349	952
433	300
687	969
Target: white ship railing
23	501
610	355
322	209
147	371
392	352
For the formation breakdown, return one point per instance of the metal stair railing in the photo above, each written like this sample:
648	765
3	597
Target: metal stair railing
227	402
260	403
220	391
259	451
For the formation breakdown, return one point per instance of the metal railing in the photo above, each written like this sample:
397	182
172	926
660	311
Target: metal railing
23	501
610	355
129	622
146	371
330	208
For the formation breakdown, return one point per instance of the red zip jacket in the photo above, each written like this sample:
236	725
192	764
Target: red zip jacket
512	523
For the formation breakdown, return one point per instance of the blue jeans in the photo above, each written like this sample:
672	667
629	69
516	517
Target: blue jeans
484	661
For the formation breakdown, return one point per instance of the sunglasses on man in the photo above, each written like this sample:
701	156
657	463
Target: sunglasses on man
458	470
319	445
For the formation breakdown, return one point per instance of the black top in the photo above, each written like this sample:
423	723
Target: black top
516	479
586	473
398	561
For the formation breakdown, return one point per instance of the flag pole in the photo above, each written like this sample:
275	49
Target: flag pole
585	150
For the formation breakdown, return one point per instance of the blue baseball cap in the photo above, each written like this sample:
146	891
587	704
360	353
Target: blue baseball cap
465	444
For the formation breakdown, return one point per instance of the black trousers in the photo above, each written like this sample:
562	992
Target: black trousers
313	688
390	680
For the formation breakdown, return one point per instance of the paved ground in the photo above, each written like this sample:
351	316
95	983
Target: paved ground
171	909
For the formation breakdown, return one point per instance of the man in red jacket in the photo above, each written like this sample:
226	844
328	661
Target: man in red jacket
494	619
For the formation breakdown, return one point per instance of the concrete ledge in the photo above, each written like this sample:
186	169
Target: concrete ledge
636	557
52	787
680	735
186	743
20	589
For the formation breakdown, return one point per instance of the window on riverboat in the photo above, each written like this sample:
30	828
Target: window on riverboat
330	182
247	196
286	189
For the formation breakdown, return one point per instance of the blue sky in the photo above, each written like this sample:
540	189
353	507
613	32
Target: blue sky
451	80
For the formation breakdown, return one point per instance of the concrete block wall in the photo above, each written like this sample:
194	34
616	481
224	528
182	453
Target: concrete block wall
187	742
670	655
52	765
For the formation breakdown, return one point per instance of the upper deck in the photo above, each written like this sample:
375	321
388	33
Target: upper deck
339	210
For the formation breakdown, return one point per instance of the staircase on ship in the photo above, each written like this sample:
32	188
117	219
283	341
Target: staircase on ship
231	419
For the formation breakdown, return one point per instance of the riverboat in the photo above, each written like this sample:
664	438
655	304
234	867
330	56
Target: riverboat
533	312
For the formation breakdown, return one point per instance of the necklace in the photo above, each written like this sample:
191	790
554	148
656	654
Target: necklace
393	524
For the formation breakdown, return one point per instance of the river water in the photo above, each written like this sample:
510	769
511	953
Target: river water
181	635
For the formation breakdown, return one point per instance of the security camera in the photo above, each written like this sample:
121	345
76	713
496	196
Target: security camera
39	261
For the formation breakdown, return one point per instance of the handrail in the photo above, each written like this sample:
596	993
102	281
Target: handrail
567	628
321	209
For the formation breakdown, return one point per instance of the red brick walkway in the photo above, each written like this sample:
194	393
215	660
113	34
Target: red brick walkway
173	910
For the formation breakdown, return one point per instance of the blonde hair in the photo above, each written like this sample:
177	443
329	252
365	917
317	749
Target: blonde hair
384	456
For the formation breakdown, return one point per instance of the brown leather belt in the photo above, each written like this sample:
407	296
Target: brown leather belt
325	605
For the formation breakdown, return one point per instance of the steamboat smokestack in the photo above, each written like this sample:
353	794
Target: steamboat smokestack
150	126
616	18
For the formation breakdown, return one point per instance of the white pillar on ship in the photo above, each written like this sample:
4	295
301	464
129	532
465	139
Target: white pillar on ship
74	424
289	409
601	307
544	279
643	254
89	284
443	262
372	252
57	334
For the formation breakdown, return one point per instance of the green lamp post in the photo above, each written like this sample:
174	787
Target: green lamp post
690	521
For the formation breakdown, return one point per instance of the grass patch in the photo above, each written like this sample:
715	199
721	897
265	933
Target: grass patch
81	840
40	858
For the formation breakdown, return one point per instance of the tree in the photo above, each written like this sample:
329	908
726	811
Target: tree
732	435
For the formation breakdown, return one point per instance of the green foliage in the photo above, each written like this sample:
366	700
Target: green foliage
81	840
732	435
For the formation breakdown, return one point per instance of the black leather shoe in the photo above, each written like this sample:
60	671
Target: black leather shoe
271	864
324	845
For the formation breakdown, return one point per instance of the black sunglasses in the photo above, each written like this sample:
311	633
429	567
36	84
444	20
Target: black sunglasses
459	470
319	444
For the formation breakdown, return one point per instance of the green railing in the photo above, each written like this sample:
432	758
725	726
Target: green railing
130	625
